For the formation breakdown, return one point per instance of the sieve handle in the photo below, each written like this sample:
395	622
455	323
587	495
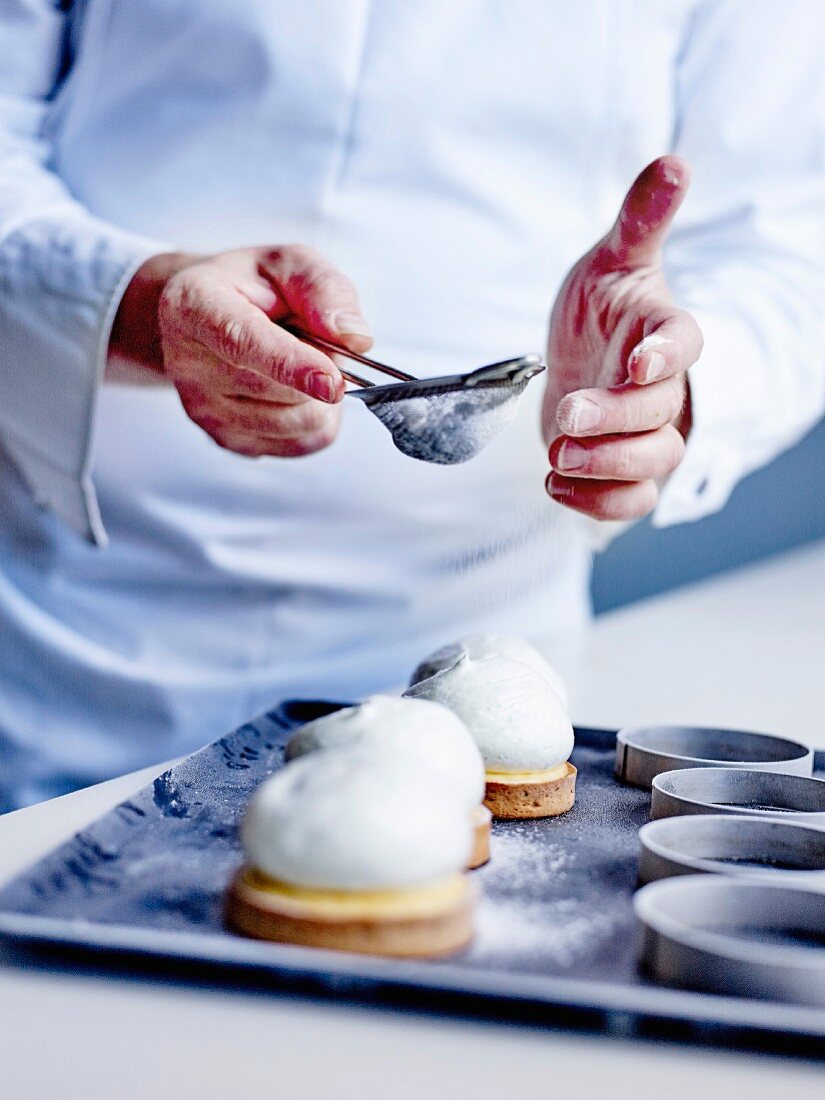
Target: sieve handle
327	345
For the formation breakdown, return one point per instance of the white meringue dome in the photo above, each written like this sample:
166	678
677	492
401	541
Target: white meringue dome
424	733
516	717
350	820
508	646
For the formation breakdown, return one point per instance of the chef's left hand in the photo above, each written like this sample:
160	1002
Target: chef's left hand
617	407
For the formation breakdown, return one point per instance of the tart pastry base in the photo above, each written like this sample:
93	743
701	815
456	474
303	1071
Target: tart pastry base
482	827
423	922
531	794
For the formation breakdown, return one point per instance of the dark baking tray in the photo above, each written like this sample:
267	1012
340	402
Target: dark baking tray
556	944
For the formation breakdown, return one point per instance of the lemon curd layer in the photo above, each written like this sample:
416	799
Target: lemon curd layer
417	901
546	776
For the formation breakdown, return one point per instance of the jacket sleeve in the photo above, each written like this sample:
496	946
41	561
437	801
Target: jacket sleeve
62	274
748	257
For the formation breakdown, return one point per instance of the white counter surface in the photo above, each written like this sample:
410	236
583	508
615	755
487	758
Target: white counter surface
743	650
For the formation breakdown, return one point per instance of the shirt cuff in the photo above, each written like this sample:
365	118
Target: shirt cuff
63	283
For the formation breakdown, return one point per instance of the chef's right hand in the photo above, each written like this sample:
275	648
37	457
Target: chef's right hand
206	324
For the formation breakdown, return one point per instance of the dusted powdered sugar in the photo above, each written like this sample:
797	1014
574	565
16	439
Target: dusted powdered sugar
518	915
448	428
508	646
352	821
430	736
516	717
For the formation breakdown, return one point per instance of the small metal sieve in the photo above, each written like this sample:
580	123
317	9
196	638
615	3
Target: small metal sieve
444	420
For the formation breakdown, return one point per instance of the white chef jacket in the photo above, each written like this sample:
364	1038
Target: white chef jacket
454	159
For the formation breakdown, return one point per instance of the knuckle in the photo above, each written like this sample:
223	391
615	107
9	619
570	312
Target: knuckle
322	282
627	413
275	255
622	463
250	382
233	339
675	397
660	317
293	262
285	367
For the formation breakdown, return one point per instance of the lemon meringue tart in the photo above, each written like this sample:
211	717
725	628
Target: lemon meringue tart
521	728
350	853
430	736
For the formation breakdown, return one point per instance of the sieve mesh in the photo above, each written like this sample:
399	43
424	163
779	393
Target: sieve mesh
448	428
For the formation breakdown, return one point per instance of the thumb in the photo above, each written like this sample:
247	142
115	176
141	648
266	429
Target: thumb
321	299
647	211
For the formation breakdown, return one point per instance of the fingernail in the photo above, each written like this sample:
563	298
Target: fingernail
558	490
579	414
656	364
320	385
350	324
571	457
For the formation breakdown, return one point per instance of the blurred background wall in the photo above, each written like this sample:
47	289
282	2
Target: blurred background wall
776	508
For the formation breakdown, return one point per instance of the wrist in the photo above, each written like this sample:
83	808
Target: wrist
135	337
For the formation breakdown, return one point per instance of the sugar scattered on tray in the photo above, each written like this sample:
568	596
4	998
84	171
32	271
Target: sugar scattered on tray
558	934
521	916
520	864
